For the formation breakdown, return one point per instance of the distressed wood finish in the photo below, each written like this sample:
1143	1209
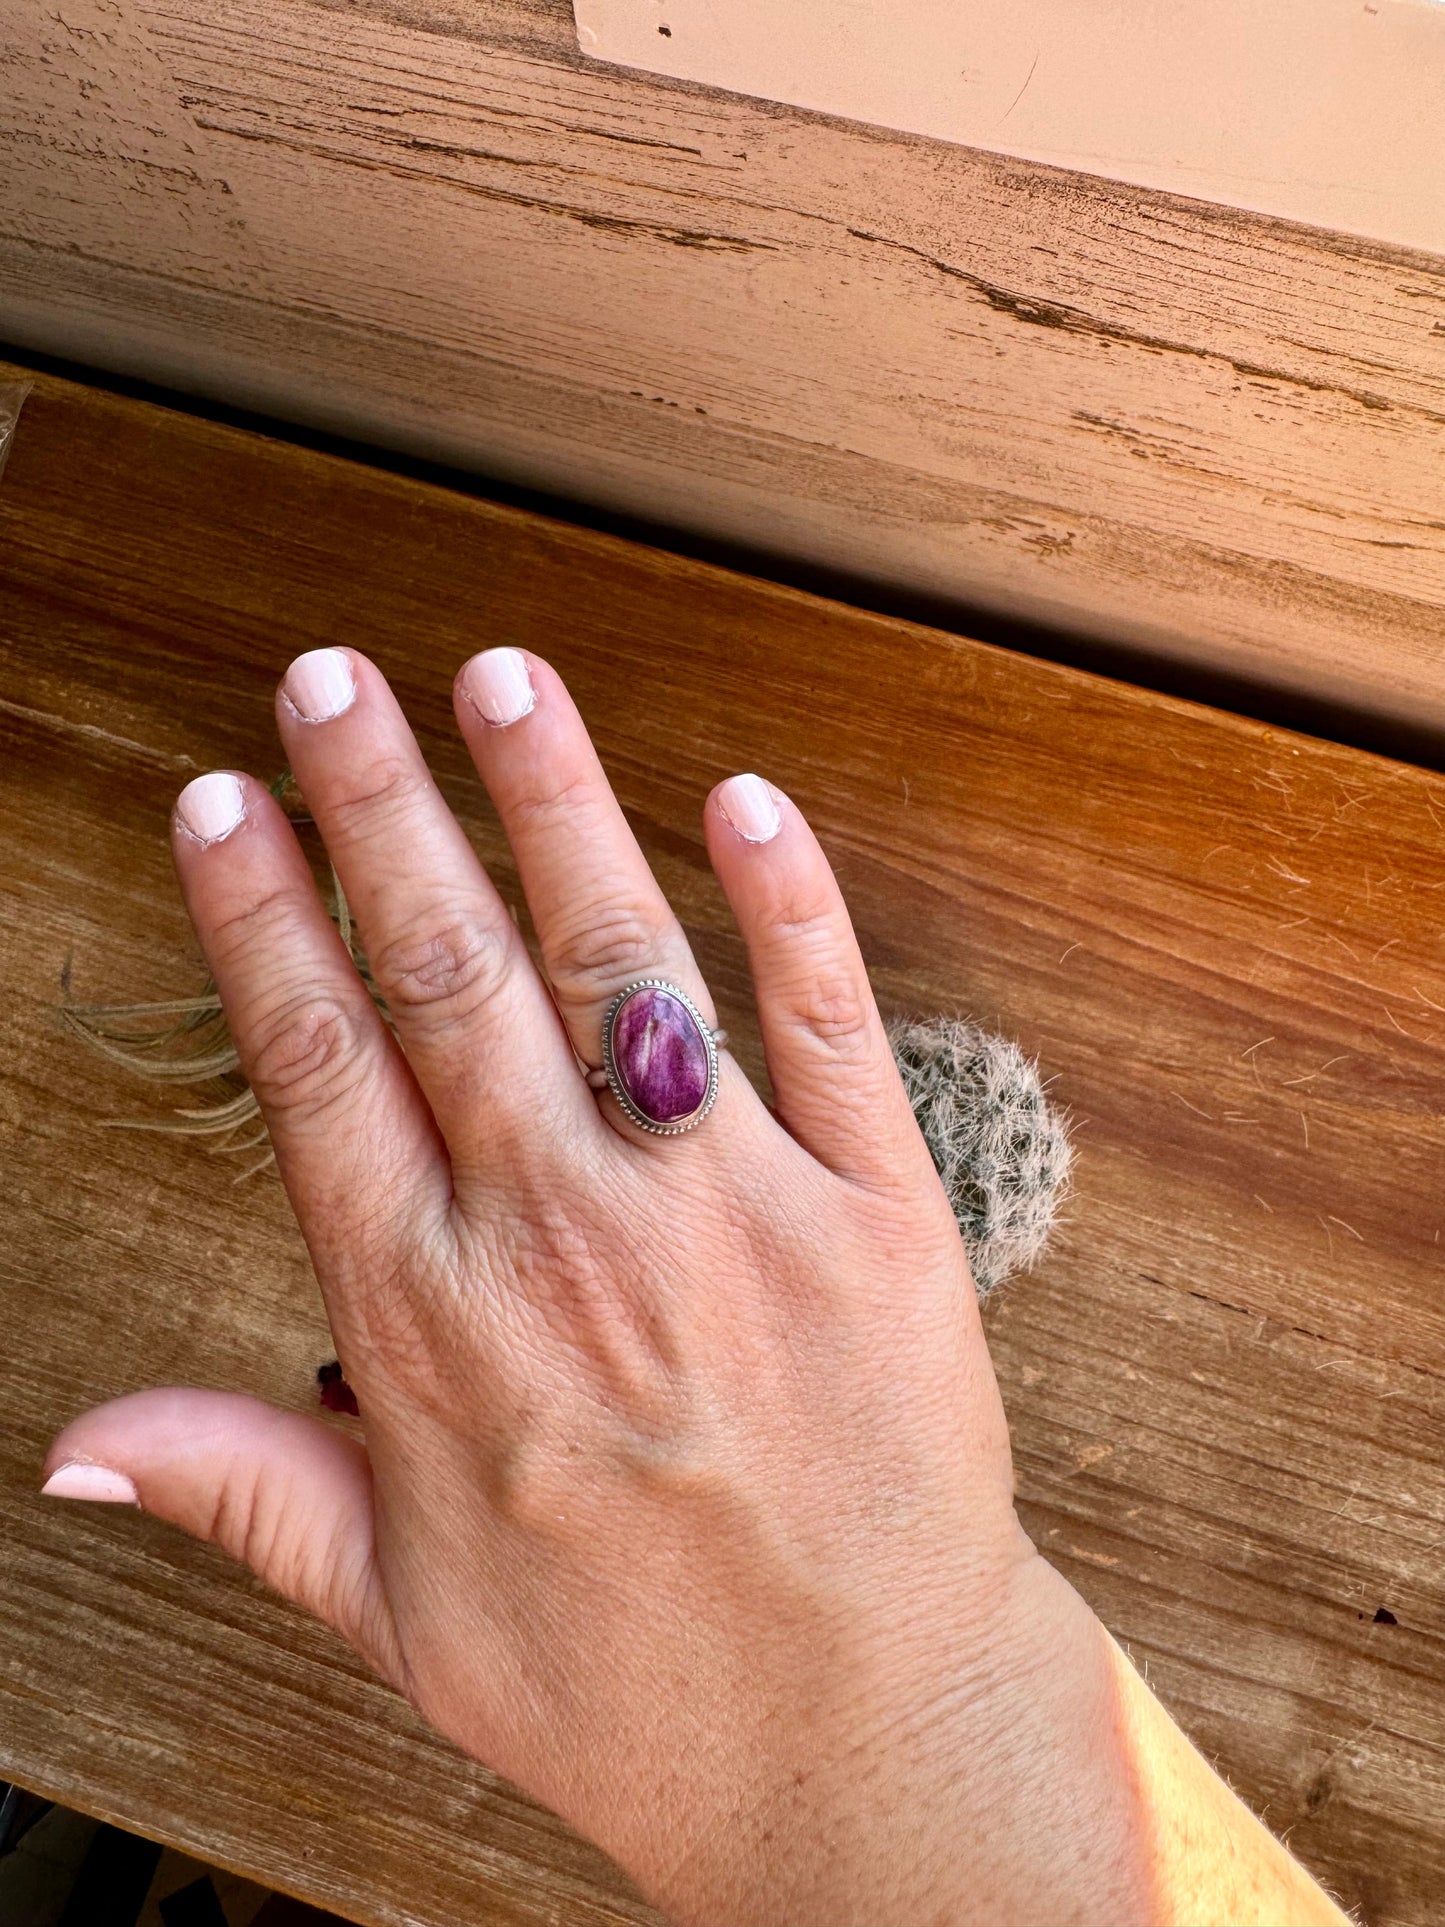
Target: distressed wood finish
1225	101
1228	1380
1202	434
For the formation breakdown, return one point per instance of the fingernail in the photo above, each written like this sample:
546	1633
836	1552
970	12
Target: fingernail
97	1482
750	806
211	806
320	684
499	686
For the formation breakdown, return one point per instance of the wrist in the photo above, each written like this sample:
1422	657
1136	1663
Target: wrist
1025	1773
973	1772
1205	1855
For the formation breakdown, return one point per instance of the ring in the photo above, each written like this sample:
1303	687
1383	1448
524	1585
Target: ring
659	1057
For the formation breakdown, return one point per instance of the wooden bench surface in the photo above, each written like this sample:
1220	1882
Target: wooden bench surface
1223	941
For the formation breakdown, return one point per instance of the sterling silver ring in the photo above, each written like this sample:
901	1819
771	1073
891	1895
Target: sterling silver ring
659	1057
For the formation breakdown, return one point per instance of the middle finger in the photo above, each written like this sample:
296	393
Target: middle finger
601	920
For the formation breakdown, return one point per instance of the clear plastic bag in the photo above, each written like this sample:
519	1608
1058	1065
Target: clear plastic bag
12	399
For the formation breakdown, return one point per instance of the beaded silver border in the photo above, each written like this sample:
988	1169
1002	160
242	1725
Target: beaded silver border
711	1038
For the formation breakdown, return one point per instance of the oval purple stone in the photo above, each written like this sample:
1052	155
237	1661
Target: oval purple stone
660	1055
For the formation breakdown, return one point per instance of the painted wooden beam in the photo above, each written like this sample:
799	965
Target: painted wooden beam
1203	434
1328	111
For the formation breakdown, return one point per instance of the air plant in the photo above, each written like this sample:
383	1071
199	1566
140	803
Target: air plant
186	1041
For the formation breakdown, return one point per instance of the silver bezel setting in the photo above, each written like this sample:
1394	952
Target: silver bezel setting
614	1079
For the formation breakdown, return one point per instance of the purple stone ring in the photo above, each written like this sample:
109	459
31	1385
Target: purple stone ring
659	1058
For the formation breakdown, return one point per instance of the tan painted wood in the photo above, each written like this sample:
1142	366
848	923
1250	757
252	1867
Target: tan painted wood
1205	435
1279	108
1227	1382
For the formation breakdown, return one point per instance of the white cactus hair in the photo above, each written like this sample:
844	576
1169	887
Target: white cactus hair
1000	1147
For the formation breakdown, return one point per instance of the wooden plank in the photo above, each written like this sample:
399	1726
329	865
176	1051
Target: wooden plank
1227	1382
1199	434
1222	100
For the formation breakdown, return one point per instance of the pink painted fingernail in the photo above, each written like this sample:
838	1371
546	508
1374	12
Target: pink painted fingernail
320	684
751	807
499	686
211	806
96	1482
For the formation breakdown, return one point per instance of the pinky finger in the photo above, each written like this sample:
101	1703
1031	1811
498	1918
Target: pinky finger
836	1086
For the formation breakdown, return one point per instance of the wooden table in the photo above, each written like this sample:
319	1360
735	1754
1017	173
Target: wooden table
1224	942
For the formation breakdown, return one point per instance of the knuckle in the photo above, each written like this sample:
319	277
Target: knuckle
538	806
832	1010
604	948
272	922
386	789
306	1055
446	976
829	1001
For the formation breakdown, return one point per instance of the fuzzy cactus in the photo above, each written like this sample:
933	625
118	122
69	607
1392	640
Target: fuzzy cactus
1000	1147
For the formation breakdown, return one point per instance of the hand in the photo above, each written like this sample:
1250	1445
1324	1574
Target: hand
685	1500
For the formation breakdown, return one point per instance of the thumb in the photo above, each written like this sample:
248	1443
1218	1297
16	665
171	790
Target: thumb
286	1495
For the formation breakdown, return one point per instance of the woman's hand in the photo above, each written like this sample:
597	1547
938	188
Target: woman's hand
685	1500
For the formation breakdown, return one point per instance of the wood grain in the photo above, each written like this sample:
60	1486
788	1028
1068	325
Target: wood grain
1200	434
1226	101
1225	943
